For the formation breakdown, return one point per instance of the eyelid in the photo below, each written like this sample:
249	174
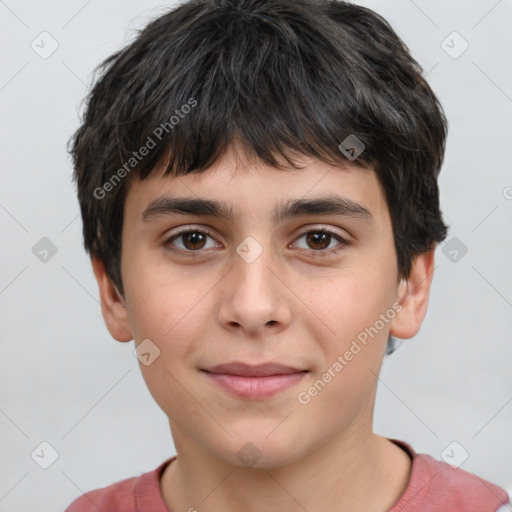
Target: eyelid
327	229
191	228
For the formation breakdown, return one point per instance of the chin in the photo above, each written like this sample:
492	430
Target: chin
261	451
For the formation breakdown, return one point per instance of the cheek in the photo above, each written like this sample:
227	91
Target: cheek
352	349
345	305
164	301
167	309
349	310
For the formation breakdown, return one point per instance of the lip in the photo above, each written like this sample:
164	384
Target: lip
254	381
249	370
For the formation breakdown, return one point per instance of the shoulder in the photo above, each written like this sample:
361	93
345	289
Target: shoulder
461	488
436	486
127	495
116	497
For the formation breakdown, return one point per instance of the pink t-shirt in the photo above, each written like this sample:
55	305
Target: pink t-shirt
434	486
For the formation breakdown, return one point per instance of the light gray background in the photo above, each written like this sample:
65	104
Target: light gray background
65	381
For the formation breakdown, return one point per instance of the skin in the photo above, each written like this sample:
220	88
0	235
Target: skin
286	307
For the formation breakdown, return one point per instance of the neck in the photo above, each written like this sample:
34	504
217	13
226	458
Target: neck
353	473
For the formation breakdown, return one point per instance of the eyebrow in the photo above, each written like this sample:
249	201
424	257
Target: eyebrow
329	205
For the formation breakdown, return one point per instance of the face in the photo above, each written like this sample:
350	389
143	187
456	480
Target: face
299	290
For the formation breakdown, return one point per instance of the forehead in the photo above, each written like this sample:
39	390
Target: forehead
236	187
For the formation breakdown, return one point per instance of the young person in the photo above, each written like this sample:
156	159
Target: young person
258	188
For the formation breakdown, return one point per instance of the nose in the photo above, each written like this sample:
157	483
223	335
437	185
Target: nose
253	297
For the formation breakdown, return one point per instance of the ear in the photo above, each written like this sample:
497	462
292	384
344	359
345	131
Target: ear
413	294
113	306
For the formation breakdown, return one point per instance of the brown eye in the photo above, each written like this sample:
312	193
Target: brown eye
318	239
193	240
189	241
319	242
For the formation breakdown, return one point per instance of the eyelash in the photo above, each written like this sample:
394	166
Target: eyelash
321	253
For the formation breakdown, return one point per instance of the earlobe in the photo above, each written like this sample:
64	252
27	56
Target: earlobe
113	307
413	294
